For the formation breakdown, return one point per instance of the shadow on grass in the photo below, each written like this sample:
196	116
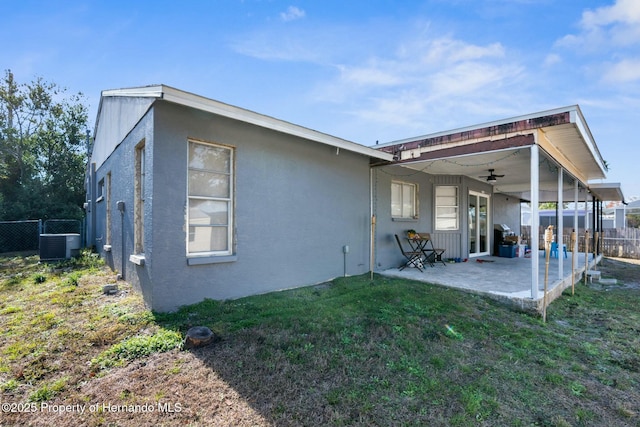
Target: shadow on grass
395	352
350	352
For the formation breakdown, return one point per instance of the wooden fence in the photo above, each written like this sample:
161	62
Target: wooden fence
614	242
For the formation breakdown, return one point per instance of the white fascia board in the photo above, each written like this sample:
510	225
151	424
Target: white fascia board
153	91
587	137
240	114
485	125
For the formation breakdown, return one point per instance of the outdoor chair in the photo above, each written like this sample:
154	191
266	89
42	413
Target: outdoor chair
554	250
436	253
414	258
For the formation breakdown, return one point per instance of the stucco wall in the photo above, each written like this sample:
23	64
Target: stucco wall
298	203
506	210
387	253
121	164
455	242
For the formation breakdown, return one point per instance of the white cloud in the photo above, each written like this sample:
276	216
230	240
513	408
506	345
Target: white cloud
266	45
552	59
373	76
616	25
426	83
626	12
613	31
625	71
420	82
292	13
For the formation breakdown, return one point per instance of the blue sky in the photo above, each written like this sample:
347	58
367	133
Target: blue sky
363	70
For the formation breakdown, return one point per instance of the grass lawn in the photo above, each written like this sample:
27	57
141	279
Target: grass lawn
352	352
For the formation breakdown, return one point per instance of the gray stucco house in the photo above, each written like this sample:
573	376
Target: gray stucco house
189	198
193	199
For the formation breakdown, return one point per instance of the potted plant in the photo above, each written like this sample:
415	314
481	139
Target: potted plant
411	234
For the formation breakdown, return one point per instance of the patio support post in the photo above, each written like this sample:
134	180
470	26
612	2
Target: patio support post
575	214
535	220
560	229
594	220
601	246
576	233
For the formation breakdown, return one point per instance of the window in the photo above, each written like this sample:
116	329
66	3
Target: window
446	207
404	200
210	194
138	208
100	194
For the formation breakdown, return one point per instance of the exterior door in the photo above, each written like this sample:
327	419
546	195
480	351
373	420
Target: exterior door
478	222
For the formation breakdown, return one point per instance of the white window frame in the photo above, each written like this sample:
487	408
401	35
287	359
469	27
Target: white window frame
108	209
230	200
139	197
446	212
395	207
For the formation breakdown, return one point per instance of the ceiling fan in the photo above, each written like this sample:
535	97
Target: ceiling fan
492	177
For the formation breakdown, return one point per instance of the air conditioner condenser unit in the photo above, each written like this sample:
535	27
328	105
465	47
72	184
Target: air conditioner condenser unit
56	247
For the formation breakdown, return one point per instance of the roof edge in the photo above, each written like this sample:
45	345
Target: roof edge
567	109
188	99
607	191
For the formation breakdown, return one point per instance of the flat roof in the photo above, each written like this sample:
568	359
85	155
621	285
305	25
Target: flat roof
610	192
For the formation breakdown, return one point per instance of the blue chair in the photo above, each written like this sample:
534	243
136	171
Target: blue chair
554	250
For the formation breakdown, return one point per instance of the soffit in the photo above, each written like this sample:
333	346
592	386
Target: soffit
611	192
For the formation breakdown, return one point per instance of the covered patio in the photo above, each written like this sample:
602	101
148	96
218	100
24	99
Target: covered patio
505	279
549	156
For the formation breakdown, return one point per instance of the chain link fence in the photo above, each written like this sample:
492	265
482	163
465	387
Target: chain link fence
21	236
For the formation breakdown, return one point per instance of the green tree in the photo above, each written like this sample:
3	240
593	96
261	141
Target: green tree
42	160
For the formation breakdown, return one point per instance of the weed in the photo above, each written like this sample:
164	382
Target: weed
584	415
554	378
10	385
72	279
577	389
10	309
48	391
137	347
38	278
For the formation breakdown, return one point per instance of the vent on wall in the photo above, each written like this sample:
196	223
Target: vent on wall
55	247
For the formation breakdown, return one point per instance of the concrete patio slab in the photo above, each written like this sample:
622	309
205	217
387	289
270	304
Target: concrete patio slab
505	279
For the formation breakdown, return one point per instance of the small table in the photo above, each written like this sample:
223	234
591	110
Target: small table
432	254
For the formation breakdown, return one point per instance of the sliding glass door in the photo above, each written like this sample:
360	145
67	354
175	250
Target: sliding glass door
478	224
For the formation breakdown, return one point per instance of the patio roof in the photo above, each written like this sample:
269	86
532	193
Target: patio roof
607	191
562	135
